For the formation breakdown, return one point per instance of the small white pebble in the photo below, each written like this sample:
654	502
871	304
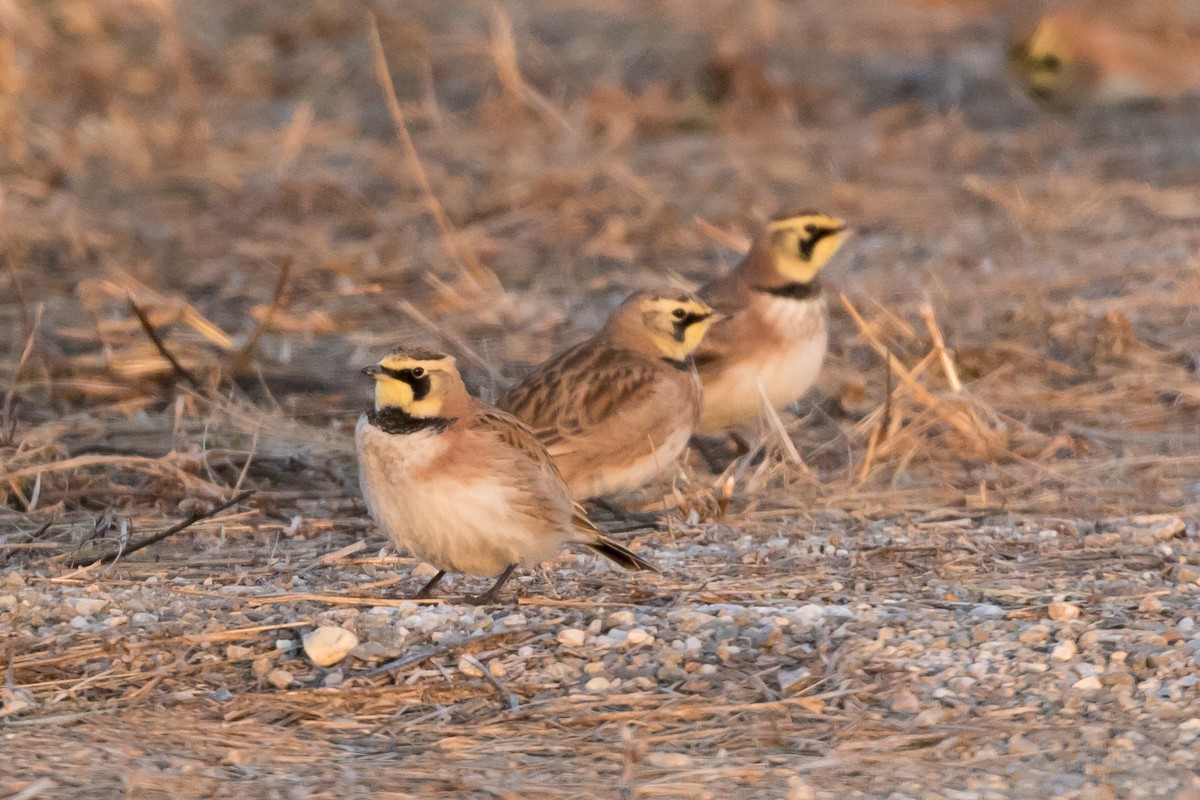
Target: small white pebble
497	669
513	621
638	636
143	618
525	652
328	644
79	622
569	637
1060	611
692	644
620	619
1088	684
597	684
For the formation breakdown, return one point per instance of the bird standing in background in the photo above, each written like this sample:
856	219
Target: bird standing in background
620	407
1071	61
775	338
460	484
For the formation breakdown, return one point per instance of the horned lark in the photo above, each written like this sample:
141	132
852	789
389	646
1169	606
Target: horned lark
1071	61
619	408
775	338
461	484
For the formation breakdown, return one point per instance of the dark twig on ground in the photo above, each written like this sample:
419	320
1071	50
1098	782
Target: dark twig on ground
180	371
87	561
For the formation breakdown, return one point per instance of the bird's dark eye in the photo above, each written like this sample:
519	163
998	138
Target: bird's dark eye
679	313
418	372
1051	63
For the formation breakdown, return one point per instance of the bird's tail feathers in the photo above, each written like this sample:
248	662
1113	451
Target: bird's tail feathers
620	554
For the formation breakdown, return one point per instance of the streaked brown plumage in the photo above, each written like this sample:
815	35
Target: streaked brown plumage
461	484
618	408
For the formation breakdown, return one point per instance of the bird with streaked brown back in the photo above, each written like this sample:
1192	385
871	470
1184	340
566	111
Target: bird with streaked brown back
619	408
461	484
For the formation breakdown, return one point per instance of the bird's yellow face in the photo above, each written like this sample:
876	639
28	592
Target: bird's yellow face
413	381
676	324
1048	67
803	244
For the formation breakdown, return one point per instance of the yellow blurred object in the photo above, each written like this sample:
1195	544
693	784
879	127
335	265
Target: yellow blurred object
1071	61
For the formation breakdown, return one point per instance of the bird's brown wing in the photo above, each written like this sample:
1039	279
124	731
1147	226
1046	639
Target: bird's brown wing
578	392
517	435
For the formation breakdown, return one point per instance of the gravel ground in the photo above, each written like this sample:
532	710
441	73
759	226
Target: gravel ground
958	657
973	574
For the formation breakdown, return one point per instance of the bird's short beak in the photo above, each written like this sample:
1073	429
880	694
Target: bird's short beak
717	316
371	371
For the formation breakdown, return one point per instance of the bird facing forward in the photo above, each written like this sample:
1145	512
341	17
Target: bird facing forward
775	338
460	484
619	408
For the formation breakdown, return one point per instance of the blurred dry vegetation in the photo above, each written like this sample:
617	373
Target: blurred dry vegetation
230	178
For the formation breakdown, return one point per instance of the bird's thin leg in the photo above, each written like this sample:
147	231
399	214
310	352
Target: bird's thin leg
490	595
427	589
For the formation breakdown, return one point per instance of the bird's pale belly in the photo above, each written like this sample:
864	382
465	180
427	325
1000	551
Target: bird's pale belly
594	481
471	528
466	528
733	398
